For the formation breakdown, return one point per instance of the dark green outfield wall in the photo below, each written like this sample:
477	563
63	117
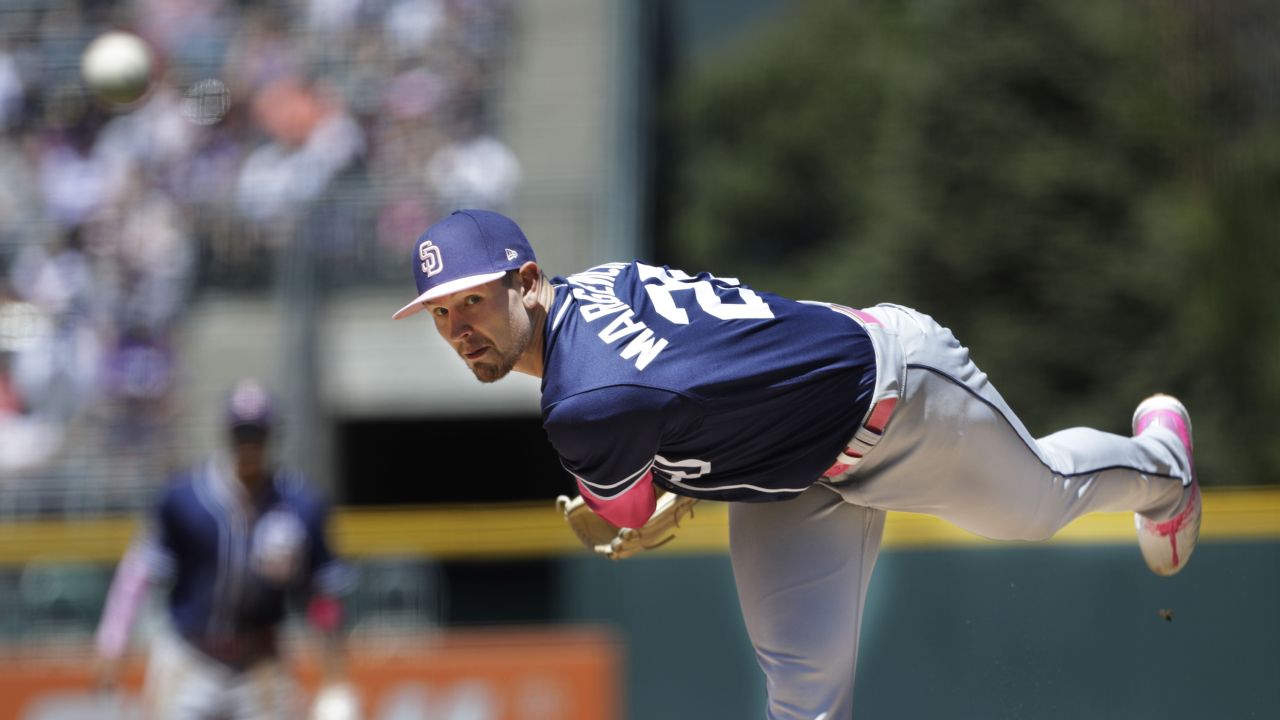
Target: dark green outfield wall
1052	632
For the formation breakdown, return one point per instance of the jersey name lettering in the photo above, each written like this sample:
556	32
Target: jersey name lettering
593	289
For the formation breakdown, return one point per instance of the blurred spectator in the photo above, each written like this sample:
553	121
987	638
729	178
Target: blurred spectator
334	17
57	371
155	138
26	440
189	33
75	177
475	169
11	90
328	119
150	246
411	25
260	53
139	376
312	139
21	217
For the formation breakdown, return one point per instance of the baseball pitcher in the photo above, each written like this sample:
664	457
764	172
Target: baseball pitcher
660	389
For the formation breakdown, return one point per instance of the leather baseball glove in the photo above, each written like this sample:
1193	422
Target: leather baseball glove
604	538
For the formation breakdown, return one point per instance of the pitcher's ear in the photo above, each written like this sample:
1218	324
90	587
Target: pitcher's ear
530	281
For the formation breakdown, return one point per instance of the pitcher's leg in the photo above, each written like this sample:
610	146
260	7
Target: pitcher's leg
180	684
1155	489
802	567
955	449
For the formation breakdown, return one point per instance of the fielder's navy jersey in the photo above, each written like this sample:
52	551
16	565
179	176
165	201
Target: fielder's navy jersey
231	568
720	391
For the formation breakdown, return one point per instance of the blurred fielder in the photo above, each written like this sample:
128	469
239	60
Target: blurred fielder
232	537
660	388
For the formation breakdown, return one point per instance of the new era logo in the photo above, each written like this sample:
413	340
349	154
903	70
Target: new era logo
511	254
432	262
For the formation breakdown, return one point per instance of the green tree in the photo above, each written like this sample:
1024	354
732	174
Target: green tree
1086	192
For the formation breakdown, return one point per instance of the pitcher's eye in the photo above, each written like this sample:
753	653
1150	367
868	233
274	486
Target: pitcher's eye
472	299
439	311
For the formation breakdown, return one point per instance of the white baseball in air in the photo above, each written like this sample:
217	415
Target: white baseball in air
117	67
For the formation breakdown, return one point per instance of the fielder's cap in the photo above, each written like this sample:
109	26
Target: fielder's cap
250	407
468	248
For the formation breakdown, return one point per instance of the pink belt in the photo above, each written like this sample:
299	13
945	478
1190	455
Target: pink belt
877	417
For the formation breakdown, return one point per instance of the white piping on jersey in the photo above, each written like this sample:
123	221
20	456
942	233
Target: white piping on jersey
555	323
706	488
588	486
629	479
205	491
233	500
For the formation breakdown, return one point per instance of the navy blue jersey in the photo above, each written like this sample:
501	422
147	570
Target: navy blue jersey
232	566
719	391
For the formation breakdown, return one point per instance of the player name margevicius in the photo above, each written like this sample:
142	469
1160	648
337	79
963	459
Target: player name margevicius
593	289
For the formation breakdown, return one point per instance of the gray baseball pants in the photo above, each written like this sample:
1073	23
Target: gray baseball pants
183	684
952	449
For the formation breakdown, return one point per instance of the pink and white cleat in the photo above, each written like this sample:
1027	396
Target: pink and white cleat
1167	544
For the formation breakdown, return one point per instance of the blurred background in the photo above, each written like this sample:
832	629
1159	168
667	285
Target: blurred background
1088	193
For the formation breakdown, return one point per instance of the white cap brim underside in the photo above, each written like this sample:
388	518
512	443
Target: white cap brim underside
443	289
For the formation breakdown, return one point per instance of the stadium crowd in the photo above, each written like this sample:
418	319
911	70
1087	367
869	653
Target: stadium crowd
338	128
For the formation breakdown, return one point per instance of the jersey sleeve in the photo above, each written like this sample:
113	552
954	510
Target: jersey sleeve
608	438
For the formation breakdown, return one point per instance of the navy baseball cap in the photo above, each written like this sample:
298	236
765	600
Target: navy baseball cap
250	409
468	248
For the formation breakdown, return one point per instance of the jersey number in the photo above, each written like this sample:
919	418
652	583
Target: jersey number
662	294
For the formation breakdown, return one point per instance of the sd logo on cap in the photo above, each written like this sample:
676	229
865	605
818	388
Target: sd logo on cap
466	249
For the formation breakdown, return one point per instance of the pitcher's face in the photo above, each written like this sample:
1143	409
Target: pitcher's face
487	325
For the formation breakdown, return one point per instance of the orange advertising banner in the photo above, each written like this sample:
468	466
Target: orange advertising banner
506	674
